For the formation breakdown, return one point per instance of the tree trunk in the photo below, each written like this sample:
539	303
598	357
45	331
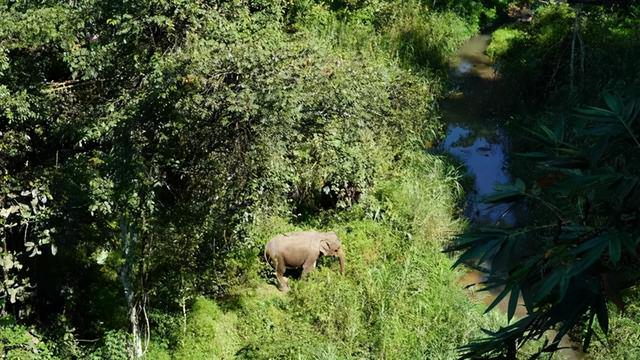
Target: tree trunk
128	239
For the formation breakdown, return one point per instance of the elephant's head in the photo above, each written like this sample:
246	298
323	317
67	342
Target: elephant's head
330	245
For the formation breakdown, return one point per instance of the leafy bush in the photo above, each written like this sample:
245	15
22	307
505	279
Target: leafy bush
20	342
114	346
501	41
424	39
210	333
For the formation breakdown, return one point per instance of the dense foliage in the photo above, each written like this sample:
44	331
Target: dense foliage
568	52
576	255
145	146
148	149
580	249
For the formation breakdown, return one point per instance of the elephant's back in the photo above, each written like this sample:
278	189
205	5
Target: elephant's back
299	240
298	235
291	240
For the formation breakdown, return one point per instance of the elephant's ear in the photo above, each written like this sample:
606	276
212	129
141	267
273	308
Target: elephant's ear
325	247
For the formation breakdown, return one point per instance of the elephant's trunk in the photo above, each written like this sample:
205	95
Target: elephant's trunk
341	257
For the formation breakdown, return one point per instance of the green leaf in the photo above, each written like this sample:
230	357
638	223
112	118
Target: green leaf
603	315
513	303
615	247
506	193
613	102
548	134
592	112
547	285
497	300
631	112
531	155
474	253
589	258
564	286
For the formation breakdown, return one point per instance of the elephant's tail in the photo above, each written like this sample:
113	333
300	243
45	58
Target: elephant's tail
266	255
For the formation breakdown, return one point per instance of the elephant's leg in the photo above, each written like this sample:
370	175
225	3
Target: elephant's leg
308	266
282	280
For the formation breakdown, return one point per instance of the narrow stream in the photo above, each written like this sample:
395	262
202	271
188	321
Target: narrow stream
475	137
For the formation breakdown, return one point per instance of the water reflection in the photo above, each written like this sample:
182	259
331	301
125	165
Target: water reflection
486	161
464	67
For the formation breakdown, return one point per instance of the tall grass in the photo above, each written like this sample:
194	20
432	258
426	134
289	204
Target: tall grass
424	40
418	37
398	299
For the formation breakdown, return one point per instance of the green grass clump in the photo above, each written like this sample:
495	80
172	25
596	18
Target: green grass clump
425	39
501	41
398	299
623	340
20	342
210	333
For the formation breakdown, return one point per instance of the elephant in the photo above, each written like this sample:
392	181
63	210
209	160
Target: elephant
301	249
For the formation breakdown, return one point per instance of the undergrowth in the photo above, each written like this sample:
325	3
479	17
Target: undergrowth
398	299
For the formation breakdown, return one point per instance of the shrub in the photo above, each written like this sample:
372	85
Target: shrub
20	342
424	40
114	346
501	41
210	333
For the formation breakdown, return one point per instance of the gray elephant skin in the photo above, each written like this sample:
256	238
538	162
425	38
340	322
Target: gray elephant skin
301	249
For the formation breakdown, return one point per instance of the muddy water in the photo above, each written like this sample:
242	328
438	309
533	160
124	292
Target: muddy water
474	136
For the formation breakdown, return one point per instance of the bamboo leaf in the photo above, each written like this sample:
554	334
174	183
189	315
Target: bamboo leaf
603	315
513	303
615	249
594	112
613	102
589	259
497	300
564	286
548	284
